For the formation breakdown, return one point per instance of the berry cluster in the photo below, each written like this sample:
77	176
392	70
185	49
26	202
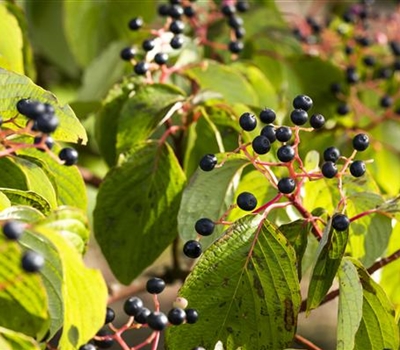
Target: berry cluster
140	316
287	152
31	261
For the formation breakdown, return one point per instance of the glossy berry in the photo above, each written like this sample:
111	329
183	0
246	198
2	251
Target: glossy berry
242	6
235	46
357	168
343	109
360	142
49	142
127	53
141	68
157	321
340	222
148	44
317	121
286	185
235	22
69	156
248	121
192	249
106	343
204	226
87	347
176	316
176	42
269	132
386	101
303	102
189	11
31	109
155	285
175	11
132	306
267	115
285	153
299	117
352	76
13	229
283	134
331	154
191	316
240	32
228	10
46	123
161	58
329	170
246	201
177	27
208	162
136	23
142	314
261	145
110	315
32	261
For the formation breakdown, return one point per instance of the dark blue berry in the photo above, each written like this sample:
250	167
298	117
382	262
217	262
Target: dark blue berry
286	185
267	115
191	316
69	156
142	314
13	229
235	46
32	261
161	58
177	27
357	168
176	316
204	226
303	102
331	154
132	306
136	23
176	42
246	201
155	285
285	153
283	134
340	222
248	121
269	132
148	44
157	321
110	315
127	53
299	117
208	162
261	144
360	142
329	170
317	121
192	249
141	68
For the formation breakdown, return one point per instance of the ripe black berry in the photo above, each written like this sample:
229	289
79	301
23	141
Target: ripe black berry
161	58
192	249
204	226
299	117
208	162
352	76
283	134
340	222
176	42
136	23
191	316
343	109
248	121
49	142
32	261
303	102
336	88
357	168
235	46
189	11
246	201
157	321
235	22
46	123
286	185
331	154
176	316
269	132
228	10
177	27
155	285
385	73
110	315
261	145
141	68
127	53
148	44
132	306
329	170
386	101
363	41
175	11
267	115
87	347
163	10
13	229
285	153
106	343
142	314
360	142
317	121
242	6
31	109
240	32
69	156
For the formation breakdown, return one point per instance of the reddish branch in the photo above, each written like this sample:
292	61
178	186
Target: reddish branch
305	342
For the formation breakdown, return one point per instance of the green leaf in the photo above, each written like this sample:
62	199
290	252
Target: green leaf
204	197
4	201
21	212
18	197
350	305
137	204
12	175
378	328
331	250
213	76
11	56
10	340
247	295
14	86
23	301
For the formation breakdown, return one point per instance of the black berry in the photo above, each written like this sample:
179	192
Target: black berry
155	285
176	42
127	53
352	76
87	347
110	315
285	153
240	32
242	6
157	321
340	222
175	11
192	249
317	121
331	154
395	47
329	170
142	314
49	142
31	109
386	101
360	142
141	68
369	61
283	134
267	115
176	316
136	23
286	185
246	201
69	156
299	117
32	261
161	58
163	10
357	168
235	46
208	162
189	11
204	226
261	145
177	27
46	123
13	229
106	343
148	44
336	88
228	10
191	316
343	109
132	306
248	121
235	22
303	102
269	132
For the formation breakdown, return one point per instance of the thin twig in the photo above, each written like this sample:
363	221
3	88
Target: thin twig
308	344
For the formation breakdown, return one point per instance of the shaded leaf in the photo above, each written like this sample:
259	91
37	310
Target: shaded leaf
10	340
18	197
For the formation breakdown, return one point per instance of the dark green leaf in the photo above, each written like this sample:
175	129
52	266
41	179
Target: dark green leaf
32	199
10	340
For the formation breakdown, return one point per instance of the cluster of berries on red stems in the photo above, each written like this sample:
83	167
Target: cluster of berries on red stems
287	154
142	316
